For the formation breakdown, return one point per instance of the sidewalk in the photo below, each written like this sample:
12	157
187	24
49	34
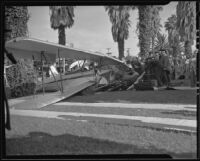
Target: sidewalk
174	107
178	88
186	88
144	119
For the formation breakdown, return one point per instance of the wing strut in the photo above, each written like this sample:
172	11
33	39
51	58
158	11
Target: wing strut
61	80
42	73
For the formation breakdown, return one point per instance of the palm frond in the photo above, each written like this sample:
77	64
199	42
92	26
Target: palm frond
161	42
119	17
186	20
61	16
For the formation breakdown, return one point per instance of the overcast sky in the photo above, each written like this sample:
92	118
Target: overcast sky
91	29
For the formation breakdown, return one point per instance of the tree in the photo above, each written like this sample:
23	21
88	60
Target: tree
170	26
119	17
155	24
161	42
186	24
148	27
61	17
16	19
143	29
20	76
173	36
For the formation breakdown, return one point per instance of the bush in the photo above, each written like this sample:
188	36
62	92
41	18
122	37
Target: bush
25	89
21	78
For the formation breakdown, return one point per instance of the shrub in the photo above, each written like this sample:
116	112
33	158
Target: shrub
21	78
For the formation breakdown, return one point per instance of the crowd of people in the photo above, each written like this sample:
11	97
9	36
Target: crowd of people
165	67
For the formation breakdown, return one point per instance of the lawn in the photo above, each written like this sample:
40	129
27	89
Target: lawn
164	96
42	136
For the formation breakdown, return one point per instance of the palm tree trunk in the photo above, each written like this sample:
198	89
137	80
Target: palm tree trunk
61	35
188	49
144	30
121	48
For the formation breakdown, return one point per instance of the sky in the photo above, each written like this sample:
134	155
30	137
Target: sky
91	29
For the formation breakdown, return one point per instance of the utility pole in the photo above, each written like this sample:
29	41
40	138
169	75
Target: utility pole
128	51
109	53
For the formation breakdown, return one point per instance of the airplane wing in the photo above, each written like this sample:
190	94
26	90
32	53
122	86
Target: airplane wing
29	47
108	60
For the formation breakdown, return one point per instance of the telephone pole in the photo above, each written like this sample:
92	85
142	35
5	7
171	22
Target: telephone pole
109	53
128	51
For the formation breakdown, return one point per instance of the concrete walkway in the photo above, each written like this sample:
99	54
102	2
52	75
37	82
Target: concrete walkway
188	107
180	88
54	114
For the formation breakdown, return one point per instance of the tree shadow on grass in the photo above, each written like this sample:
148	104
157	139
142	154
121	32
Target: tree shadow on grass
39	143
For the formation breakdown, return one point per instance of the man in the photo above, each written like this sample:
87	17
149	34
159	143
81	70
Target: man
157	56
165	63
137	65
155	70
53	70
171	61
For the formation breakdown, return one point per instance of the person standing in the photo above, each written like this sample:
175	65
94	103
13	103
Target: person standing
187	68
157	56
165	63
171	61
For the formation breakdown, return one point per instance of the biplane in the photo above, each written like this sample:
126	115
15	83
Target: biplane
68	84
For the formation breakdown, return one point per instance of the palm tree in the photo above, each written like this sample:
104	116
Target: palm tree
61	17
161	42
16	19
148	27
173	36
143	29
155	24
186	24
119	17
170	26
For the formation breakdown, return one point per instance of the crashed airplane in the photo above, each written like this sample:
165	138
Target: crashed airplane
106	67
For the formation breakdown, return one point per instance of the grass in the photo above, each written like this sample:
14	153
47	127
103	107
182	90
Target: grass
165	96
43	136
39	143
40	136
181	112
